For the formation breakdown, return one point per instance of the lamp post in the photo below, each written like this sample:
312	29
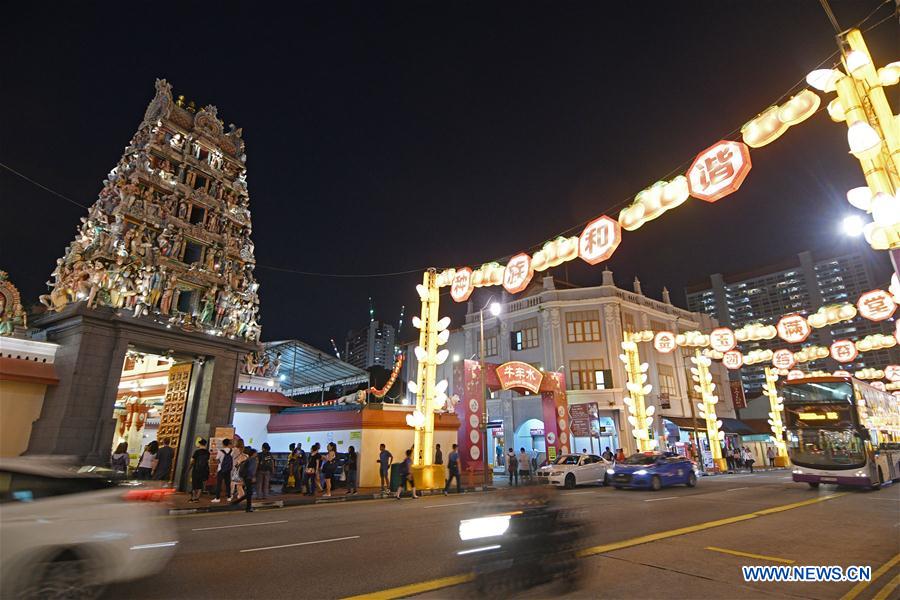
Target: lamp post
495	309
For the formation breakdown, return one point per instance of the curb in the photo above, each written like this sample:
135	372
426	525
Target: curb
304	500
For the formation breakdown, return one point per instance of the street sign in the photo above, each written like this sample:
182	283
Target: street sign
581	416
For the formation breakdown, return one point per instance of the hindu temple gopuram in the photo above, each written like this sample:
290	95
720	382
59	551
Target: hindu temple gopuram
160	273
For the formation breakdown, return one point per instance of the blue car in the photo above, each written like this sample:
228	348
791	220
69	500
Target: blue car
653	470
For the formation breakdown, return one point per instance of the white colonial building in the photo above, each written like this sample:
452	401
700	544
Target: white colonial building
578	331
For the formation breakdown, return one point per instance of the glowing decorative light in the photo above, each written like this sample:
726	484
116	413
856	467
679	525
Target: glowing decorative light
860	197
462	286
768	126
456	358
754	332
719	170
885	209
442	324
733	359
518	273
417	322
443	337
823	79
664	341
441	357
654	201
889	74
412	386
495	308
420	353
795	374
856	60
836	111
853	225
555	252
829	315
599	240
422	290
270	383
892	372
783	359
793	329
844	351
863	140
722	339
876	305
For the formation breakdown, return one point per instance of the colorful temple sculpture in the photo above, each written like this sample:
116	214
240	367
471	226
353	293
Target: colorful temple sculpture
168	239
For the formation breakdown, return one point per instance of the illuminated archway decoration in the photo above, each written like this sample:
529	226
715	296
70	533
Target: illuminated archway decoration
793	329
641	417
844	351
776	411
705	387
599	240
462	285
783	359
653	202
517	374
664	341
876	305
719	170
768	126
733	359
518	273
722	339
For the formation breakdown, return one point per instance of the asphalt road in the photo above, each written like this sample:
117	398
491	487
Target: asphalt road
675	543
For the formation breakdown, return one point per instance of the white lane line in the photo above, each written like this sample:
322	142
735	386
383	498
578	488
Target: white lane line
230	526
736	489
577	493
443	505
349	537
885	499
657	499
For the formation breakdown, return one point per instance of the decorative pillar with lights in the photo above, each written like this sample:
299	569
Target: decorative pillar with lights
641	417
705	386
776	406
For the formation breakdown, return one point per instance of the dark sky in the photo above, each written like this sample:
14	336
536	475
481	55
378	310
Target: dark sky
385	137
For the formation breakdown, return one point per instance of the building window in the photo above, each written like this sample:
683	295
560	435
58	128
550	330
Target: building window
667	383
525	336
589	375
583	326
628	322
490	346
656	326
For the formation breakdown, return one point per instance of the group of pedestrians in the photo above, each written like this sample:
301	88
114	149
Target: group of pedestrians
740	458
155	461
518	466
315	471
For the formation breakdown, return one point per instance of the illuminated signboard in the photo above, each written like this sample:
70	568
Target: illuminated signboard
518	374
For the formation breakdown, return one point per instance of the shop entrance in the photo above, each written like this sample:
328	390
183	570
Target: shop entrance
151	405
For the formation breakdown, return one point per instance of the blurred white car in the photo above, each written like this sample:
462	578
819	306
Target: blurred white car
66	534
570	470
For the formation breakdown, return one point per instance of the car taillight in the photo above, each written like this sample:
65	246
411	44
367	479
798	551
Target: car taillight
148	495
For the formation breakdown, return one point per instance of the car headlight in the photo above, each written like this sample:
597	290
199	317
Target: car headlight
556	473
610	471
641	472
473	529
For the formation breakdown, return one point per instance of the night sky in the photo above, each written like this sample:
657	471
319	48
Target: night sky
386	137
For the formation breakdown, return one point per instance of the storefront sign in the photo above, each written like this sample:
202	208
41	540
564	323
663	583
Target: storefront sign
664	400
581	416
537	433
518	374
737	394
719	170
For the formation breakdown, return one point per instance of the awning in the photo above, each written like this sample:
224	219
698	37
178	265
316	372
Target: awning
260	398
305	369
728	425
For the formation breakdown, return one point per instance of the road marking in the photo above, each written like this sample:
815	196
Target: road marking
443	505
415	588
349	537
657	499
885	592
436	584
862	585
883	499
749	555
736	489
578	493
231	526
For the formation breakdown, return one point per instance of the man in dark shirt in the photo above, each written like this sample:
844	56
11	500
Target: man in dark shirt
385	459
164	457
249	475
453	470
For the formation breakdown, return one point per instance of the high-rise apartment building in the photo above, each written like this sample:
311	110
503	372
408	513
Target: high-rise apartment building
371	346
801	284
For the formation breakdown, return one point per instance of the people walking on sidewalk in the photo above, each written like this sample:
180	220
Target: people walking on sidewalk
738	457
453	470
329	465
729	459
247	473
237	482
385	458
199	468
165	456
406	476
119	460
620	455
770	454
313	464
291	473
748	458
608	456
512	467
147	461
264	469
351	467
300	484
524	471
225	458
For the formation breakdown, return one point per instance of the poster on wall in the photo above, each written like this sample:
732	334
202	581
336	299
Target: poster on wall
583	417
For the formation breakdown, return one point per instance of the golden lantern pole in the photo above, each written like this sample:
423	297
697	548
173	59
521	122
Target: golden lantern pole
776	406
641	415
705	386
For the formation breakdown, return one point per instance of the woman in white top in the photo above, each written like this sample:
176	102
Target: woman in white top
147	461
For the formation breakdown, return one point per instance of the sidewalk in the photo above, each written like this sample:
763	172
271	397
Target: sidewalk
180	504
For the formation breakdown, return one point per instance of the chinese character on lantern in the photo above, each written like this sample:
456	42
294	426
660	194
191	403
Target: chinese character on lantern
876	305
518	273
462	287
719	170
843	351
722	339
664	341
892	372
733	359
599	240
783	359
793	329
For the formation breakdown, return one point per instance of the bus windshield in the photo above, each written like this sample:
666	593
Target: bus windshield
826	449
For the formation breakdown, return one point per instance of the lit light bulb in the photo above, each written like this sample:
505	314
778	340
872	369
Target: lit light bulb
853	225
860	197
885	209
856	60
823	79
863	140
495	308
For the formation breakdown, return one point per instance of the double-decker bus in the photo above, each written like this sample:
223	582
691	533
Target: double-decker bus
842	431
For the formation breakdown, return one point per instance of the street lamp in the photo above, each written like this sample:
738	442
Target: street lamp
853	225
495	310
